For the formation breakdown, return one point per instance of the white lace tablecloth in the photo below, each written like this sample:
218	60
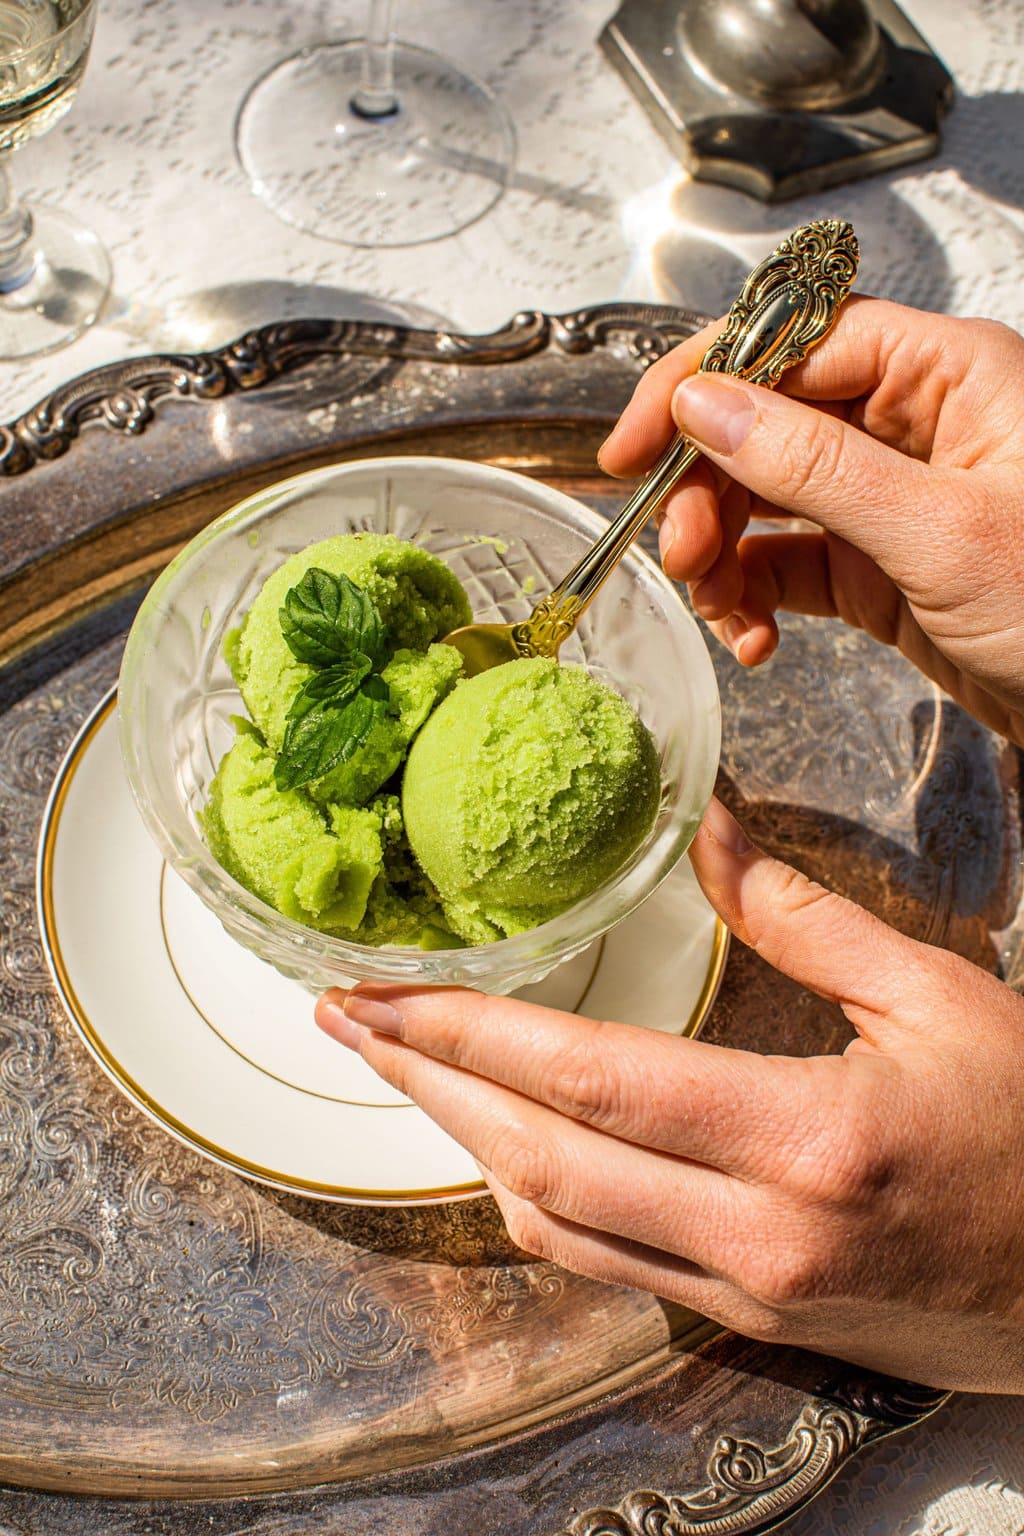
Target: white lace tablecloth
597	210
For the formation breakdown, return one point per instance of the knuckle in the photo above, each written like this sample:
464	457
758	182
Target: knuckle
757	1321
441	1033
809	459
585	1083
444	1021
795	892
792	1276
967	503
793	897
527	1168
861	1167
844	1167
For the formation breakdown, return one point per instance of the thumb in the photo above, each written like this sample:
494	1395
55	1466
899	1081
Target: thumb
882	980
815	465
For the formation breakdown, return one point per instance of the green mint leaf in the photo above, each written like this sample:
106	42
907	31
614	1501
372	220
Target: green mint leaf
323	732
331	686
325	619
374	686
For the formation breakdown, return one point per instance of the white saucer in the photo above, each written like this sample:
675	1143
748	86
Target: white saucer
222	1051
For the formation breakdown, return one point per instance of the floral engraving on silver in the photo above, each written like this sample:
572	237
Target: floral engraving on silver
748	1488
788	303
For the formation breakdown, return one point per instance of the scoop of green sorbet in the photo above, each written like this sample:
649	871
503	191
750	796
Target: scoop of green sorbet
528	787
417	597
342	869
314	867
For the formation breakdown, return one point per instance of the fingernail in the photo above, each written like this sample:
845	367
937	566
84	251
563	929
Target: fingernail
331	1018
716	414
726	829
374	1012
735	633
666	538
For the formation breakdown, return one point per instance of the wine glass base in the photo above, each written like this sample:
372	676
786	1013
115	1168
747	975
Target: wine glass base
417	174
64	293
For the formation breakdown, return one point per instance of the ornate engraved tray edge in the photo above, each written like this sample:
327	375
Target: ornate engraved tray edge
749	1484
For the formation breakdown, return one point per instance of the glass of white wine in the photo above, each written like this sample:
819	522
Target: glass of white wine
54	272
373	141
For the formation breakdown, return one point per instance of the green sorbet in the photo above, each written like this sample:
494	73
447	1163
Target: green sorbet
345	870
333	854
418	598
416	684
315	867
527	787
402	907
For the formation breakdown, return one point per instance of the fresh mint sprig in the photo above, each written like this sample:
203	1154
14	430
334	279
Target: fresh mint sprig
330	624
325	619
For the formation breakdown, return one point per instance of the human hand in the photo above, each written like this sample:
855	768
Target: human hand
870	1205
902	439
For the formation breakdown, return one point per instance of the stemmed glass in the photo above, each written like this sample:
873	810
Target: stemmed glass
54	273
374	142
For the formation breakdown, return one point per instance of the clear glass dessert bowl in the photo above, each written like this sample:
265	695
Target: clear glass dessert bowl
508	539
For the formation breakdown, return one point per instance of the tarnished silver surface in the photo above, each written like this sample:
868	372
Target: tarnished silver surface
778	97
123	396
785	55
744	1478
168	1330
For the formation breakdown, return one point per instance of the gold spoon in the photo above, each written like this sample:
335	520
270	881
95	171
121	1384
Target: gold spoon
787	305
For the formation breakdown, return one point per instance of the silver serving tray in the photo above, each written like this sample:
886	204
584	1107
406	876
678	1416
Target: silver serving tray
172	1333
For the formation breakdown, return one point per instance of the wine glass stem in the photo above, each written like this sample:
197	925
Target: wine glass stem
17	258
376	94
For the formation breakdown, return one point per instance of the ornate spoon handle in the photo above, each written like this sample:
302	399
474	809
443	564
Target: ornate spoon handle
787	305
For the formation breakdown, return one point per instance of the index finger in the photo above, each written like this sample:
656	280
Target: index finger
725	1108
645	427
850	362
